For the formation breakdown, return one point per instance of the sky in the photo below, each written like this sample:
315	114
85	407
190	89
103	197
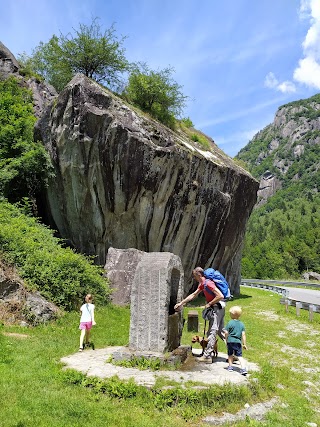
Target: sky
237	61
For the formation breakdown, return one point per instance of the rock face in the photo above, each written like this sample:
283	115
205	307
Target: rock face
269	184
311	275
288	148
8	63
19	305
126	181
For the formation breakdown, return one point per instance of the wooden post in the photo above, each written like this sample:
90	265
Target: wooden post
193	321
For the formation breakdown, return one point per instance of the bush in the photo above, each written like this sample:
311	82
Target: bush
156	93
24	164
187	122
58	273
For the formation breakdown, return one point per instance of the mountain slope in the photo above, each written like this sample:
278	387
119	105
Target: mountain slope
287	152
283	234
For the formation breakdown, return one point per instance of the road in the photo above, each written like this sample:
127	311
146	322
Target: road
309	296
304	295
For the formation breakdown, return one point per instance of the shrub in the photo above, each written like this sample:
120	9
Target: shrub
24	164
187	122
156	93
58	273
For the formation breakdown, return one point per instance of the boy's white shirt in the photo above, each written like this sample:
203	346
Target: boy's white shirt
87	313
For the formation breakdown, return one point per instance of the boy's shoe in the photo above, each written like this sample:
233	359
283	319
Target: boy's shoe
204	359
243	372
230	368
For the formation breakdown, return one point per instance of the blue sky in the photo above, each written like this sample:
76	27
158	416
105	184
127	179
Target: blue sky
237	60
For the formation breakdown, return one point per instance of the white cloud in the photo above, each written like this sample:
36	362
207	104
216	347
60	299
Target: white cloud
308	70
286	87
272	82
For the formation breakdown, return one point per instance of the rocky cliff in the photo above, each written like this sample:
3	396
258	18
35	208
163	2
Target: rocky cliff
124	180
287	150
43	93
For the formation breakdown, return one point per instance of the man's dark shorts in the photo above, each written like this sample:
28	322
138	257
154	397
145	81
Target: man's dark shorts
234	348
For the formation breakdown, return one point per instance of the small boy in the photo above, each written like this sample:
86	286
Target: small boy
236	338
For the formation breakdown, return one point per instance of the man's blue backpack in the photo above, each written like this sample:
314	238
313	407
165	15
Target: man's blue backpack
219	280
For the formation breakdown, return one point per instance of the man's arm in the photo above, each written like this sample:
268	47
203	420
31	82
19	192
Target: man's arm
189	298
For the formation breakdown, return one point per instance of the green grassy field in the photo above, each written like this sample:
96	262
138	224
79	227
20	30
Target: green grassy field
36	391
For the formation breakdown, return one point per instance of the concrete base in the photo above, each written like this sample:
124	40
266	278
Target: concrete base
93	363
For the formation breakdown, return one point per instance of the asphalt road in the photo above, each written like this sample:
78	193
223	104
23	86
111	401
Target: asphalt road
304	295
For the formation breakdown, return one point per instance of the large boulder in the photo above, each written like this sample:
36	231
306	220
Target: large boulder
311	275
121	265
124	180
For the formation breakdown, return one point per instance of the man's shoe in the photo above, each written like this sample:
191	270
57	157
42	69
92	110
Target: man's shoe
204	359
230	368
243	372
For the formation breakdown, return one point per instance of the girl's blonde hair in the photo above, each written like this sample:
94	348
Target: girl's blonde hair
235	312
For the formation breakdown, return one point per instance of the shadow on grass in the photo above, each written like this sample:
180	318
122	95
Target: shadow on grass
239	297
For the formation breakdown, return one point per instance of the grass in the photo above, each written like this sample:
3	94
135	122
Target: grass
35	391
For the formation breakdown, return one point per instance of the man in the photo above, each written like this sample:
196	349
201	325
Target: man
214	299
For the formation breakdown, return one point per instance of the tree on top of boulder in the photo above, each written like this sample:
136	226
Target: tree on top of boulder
156	93
96	53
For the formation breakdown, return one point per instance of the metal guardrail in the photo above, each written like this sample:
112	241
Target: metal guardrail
269	286
282	282
263	284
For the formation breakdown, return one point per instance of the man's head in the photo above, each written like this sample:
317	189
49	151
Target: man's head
235	312
198	273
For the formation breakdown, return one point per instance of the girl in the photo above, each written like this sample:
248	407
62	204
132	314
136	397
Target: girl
86	321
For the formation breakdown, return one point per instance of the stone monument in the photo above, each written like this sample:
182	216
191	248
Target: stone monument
157	286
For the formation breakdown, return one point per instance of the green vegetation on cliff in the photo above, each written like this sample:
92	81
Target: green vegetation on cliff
24	164
156	93
283	235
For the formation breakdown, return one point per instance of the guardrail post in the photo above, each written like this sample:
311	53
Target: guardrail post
286	302
311	310
298	306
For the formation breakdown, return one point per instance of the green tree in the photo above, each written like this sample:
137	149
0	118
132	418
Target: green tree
156	93
24	164
96	53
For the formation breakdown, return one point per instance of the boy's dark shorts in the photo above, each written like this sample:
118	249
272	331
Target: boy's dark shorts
234	348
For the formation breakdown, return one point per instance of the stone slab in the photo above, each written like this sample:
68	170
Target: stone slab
94	363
